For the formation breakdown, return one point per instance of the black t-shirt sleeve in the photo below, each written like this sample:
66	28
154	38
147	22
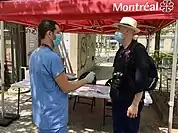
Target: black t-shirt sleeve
142	66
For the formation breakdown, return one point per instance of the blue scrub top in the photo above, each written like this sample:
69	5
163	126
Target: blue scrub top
49	102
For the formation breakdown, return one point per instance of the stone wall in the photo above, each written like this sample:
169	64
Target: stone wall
82	52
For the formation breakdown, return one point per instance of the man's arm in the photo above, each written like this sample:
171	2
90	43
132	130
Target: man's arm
67	86
132	111
137	99
57	71
141	76
141	79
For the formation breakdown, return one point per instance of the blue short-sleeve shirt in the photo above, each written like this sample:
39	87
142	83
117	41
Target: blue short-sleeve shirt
49	102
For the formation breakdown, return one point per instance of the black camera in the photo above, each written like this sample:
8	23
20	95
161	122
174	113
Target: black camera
117	79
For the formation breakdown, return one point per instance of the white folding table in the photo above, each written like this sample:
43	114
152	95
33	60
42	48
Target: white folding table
97	91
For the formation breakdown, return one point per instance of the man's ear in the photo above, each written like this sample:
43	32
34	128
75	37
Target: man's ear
49	34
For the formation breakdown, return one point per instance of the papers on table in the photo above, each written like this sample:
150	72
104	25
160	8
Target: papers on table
94	88
83	89
98	91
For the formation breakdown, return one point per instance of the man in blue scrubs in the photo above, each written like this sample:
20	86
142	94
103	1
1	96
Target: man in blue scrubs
49	84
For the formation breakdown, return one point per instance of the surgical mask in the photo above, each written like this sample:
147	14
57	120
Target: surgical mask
58	39
119	37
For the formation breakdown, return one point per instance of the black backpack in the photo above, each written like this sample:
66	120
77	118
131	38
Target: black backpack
152	75
152	72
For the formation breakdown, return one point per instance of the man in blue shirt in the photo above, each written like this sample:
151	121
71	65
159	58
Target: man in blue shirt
49	84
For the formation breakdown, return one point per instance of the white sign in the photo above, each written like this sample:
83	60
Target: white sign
165	6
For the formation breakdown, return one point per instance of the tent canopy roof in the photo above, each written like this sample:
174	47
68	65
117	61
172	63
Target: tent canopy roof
91	16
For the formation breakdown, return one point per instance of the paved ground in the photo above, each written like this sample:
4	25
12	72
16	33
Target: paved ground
80	120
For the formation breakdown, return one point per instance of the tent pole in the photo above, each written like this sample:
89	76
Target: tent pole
173	78
2	68
5	118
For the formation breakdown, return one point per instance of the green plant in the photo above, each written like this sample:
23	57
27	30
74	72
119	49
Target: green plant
162	58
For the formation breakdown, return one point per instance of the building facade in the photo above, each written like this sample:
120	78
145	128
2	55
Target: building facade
166	43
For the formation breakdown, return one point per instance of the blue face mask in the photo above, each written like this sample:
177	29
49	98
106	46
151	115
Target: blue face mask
58	39
119	37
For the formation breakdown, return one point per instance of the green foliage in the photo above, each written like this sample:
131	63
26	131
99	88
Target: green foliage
165	32
168	29
162	58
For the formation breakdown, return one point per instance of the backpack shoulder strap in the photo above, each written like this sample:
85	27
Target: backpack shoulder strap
136	45
133	47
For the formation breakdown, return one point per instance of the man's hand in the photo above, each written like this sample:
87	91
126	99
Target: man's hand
132	111
90	77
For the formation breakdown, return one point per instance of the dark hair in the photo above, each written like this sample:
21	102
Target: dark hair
44	26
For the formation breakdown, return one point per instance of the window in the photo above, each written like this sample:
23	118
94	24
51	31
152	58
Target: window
162	43
172	43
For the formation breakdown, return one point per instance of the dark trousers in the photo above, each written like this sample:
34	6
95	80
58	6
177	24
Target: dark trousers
121	122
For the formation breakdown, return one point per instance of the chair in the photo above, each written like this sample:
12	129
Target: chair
77	98
107	104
